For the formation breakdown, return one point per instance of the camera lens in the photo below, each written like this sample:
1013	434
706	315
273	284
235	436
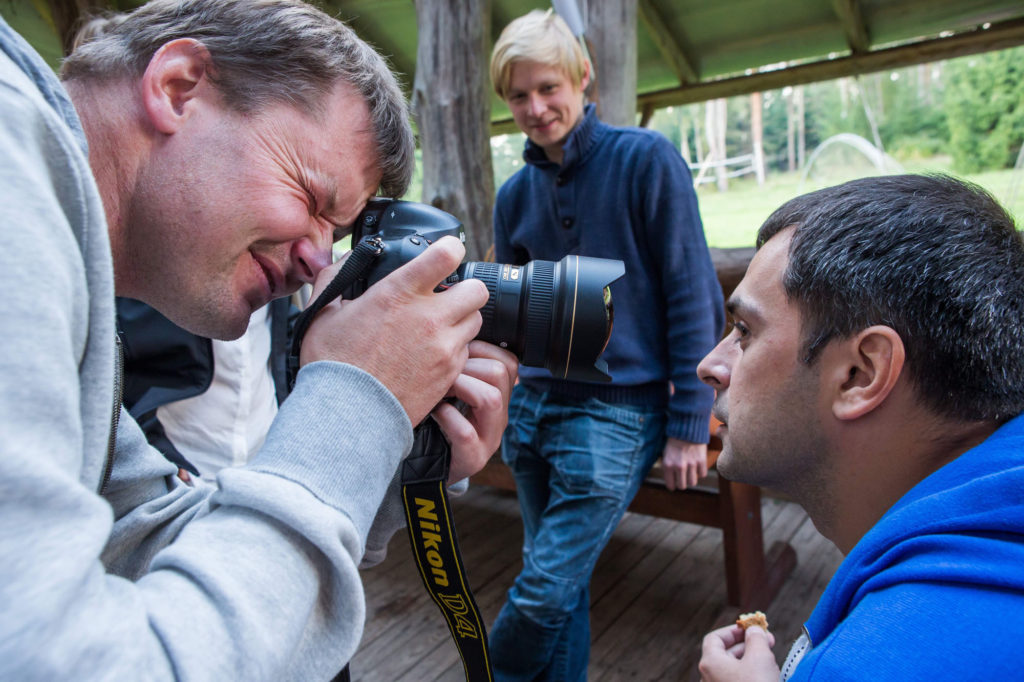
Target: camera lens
553	315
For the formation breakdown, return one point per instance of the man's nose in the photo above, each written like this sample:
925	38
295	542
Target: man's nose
537	105
715	369
310	255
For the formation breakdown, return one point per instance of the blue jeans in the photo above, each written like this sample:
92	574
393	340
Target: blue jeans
577	467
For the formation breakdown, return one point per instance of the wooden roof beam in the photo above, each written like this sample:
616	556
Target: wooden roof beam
667	44
856	30
999	36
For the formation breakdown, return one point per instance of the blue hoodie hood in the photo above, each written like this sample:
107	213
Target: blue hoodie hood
956	542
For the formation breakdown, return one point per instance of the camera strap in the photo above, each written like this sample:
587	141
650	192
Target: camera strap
424	493
361	258
436	548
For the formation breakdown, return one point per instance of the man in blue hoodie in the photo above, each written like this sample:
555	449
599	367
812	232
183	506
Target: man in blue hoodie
875	373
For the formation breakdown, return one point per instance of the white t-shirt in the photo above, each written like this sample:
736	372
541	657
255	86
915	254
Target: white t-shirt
227	424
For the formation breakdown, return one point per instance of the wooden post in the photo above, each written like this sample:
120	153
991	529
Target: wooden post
611	28
452	105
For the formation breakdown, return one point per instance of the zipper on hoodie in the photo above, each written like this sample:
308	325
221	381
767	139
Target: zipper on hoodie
796	653
115	415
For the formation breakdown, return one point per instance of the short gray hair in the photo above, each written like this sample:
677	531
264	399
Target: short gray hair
263	52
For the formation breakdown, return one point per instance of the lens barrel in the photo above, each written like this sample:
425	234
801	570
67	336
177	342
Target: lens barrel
553	315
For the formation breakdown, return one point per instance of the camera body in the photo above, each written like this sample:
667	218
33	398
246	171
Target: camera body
553	315
405	229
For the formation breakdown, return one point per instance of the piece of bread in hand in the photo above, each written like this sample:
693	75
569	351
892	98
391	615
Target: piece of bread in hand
754	618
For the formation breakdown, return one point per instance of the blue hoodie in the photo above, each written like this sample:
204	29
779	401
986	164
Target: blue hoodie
935	590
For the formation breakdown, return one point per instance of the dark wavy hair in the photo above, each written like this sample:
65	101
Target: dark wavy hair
936	259
263	52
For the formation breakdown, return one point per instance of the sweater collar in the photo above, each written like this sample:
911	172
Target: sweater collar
580	141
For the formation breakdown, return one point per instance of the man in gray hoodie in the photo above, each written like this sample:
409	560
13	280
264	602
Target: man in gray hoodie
202	158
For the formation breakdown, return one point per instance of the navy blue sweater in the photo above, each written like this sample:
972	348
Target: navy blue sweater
624	193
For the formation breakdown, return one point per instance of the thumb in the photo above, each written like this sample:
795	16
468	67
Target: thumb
757	639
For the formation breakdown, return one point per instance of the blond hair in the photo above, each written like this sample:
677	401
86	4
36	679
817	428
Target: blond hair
541	37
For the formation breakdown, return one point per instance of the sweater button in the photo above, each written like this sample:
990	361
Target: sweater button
567	223
560	180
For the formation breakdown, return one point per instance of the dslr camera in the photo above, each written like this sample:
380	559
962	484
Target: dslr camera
553	315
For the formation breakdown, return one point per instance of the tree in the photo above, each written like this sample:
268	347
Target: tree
716	119
757	135
914	123
776	115
67	16
985	109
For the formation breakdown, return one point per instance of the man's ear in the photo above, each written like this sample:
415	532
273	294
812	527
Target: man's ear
585	81
175	76
866	368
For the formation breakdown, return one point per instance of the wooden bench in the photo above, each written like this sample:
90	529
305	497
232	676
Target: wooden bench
752	577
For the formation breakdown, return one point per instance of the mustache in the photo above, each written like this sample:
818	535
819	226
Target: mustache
720	409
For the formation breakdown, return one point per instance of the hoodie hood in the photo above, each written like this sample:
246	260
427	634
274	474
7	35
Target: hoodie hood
964	524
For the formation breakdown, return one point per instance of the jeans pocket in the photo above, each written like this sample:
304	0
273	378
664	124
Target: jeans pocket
622	439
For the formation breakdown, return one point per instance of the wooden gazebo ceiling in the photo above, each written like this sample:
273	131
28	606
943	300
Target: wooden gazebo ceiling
687	50
694	50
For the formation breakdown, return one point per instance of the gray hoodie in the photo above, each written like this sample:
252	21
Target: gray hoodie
140	576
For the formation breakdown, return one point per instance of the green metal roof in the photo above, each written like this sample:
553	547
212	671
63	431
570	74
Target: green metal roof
692	50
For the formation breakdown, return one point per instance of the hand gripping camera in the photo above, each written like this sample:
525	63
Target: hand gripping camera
553	315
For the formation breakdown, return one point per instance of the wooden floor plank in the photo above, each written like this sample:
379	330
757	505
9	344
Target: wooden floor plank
421	628
817	561
607	614
657	589
672	609
493	519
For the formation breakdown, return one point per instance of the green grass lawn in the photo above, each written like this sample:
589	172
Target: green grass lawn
731	218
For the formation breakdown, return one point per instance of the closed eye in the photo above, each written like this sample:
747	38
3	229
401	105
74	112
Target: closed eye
311	201
338	231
